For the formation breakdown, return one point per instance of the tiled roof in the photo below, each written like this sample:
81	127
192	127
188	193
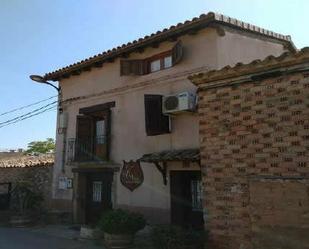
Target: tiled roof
27	161
257	66
172	32
172	155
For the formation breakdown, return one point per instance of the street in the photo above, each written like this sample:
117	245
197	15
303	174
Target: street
17	238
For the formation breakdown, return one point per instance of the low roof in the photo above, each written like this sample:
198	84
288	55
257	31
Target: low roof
270	63
26	161
172	155
204	20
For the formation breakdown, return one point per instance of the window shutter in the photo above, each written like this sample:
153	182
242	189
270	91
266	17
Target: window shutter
84	138
138	67
125	67
108	132
133	67
177	53
156	123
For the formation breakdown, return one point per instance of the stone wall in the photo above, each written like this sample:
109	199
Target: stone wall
40	176
255	155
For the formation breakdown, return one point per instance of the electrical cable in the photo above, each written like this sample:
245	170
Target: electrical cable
29	113
26	106
27	117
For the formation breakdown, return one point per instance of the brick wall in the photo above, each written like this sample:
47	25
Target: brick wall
249	133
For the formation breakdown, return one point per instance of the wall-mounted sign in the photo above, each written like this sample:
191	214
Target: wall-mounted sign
62	184
131	175
69	183
65	183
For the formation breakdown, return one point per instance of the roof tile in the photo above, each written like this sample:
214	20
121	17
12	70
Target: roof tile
203	19
172	155
27	161
270	62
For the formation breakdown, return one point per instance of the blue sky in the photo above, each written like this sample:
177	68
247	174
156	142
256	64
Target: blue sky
38	36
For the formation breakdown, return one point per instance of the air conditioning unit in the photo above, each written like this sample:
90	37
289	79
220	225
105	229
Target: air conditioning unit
182	102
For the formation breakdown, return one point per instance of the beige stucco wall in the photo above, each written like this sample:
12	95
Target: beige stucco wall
204	51
234	47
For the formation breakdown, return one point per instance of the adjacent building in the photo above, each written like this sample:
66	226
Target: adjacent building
128	131
254	142
16	167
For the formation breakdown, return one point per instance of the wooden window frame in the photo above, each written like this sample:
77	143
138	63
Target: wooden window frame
143	66
160	57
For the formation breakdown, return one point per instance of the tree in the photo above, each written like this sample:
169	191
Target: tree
41	146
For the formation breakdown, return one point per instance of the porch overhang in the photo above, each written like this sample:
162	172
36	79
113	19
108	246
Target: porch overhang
160	159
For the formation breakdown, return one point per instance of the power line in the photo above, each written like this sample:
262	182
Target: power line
29	113
27	117
26	106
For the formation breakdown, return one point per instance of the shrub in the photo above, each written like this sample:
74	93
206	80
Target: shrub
26	198
121	222
174	237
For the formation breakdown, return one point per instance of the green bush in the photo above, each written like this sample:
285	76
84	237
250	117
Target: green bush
26	198
121	222
174	237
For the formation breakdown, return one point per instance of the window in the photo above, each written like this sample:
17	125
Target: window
97	191
156	123
153	64
196	193
162	63
168	61
100	131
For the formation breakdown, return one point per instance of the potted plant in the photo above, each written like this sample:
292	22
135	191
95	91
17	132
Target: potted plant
120	226
26	203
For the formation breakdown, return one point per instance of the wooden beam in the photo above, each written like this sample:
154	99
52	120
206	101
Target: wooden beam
76	72
155	45
66	76
163	170
219	29
193	32
141	50
125	55
96	108
110	60
87	68
185	164
98	64
173	38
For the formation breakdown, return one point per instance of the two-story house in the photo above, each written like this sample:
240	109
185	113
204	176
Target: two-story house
128	132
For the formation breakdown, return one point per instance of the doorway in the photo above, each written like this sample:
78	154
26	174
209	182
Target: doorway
98	195
186	199
5	194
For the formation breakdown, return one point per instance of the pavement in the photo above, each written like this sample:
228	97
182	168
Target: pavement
47	237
